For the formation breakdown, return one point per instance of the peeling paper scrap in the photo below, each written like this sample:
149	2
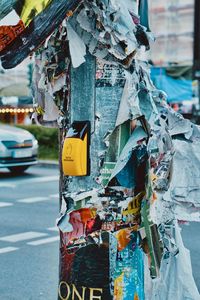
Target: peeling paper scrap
176	280
11	19
187	187
63	223
124	109
76	46
136	136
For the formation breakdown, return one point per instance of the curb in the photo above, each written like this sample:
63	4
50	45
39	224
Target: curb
48	164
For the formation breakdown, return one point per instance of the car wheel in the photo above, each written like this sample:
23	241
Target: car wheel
19	169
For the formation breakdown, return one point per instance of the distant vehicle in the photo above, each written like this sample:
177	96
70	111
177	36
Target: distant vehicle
18	148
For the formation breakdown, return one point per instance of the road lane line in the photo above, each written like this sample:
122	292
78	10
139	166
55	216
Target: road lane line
33	199
44	241
5	204
54	196
30	180
55	228
7	249
22	236
38	180
9	185
43	179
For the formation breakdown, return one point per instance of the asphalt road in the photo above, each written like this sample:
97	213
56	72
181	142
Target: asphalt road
29	245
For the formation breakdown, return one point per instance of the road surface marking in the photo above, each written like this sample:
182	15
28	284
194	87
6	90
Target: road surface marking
44	241
54	196
33	199
9	185
4	204
38	180
55	228
22	236
7	249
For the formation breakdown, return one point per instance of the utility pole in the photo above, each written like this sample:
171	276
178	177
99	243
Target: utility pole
96	101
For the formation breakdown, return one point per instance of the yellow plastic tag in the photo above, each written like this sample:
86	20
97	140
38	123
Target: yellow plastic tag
75	154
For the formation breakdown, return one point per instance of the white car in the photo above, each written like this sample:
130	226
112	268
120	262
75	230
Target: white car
18	148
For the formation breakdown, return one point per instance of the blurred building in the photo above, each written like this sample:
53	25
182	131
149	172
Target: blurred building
172	22
15	96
